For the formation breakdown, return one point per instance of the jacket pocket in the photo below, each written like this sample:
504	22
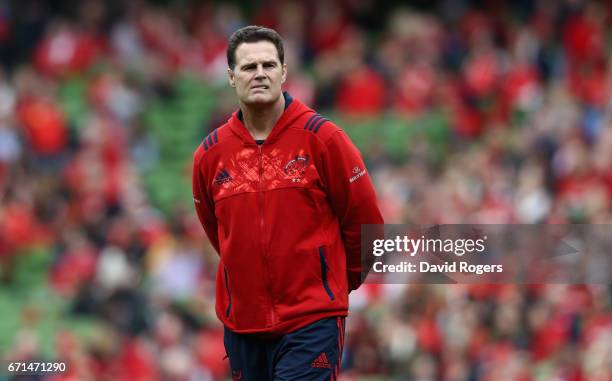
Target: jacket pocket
324	269
229	294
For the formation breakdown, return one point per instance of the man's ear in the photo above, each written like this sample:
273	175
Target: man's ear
284	77
230	77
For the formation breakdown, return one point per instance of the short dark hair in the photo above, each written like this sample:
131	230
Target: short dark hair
253	33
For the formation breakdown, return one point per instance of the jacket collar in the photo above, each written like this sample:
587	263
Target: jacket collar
293	109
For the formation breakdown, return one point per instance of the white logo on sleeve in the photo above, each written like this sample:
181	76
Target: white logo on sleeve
358	173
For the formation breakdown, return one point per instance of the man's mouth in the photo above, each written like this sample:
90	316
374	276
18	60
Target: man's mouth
264	87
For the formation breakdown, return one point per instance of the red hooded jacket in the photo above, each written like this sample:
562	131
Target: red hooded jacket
285	217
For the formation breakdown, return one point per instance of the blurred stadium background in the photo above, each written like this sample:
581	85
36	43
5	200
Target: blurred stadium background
466	111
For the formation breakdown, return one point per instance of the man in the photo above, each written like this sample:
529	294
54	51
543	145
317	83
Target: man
281	193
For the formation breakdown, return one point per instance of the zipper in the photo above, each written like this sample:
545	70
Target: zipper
229	294
324	269
261	231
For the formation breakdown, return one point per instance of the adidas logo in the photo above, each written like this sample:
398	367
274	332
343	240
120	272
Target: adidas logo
321	362
222	177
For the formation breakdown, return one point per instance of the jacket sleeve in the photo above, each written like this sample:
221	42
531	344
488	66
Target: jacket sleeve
352	196
203	202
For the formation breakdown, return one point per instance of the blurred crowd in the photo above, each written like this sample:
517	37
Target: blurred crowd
524	87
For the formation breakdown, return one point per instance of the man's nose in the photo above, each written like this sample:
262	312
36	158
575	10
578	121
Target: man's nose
260	72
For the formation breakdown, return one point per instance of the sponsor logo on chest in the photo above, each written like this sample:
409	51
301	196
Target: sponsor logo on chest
222	177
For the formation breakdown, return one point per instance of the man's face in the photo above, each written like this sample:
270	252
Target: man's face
258	73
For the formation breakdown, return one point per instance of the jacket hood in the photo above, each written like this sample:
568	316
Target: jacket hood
293	110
